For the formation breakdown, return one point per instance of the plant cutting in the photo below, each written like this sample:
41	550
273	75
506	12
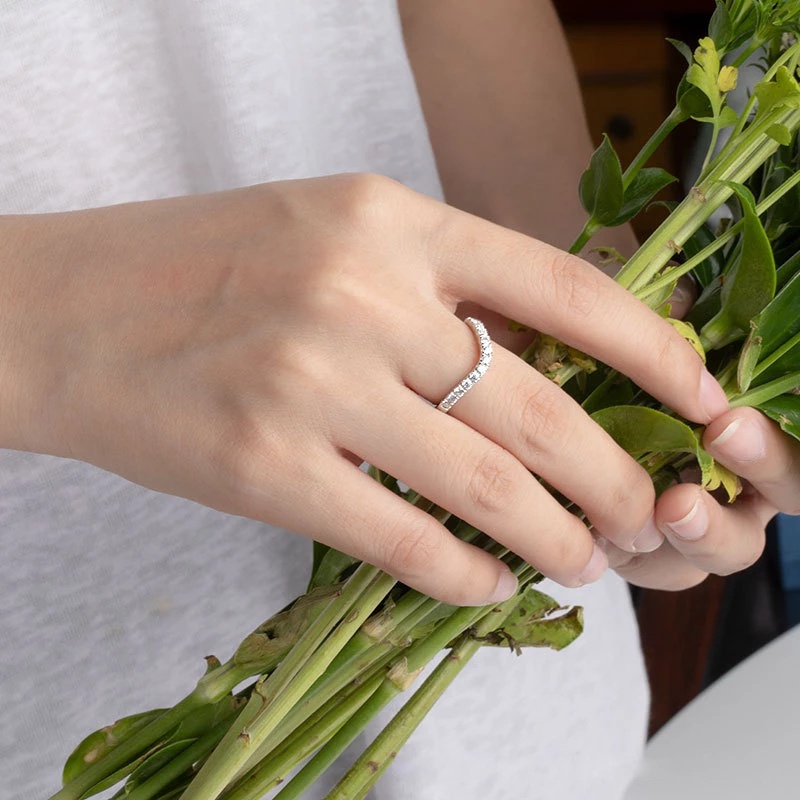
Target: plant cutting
323	667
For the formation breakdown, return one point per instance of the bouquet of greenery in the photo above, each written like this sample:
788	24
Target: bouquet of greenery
325	665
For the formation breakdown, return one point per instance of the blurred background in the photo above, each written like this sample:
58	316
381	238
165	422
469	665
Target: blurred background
628	74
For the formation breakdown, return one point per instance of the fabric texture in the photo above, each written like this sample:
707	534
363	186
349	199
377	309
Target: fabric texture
110	594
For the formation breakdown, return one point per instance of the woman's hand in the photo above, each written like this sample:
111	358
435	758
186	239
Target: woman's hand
705	536
249	349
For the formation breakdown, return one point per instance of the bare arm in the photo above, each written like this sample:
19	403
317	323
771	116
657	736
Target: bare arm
504	111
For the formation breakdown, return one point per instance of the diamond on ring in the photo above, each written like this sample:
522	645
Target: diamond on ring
485	358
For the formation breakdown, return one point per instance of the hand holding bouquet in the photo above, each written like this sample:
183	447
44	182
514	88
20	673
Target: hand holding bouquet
325	665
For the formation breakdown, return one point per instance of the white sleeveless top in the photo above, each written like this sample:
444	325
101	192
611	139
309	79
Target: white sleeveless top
110	594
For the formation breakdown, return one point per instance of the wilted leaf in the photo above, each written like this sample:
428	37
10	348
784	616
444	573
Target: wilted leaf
539	621
719	476
686	329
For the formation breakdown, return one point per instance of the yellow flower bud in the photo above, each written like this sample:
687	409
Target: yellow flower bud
727	79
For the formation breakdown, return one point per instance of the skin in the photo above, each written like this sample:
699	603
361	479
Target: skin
518	164
248	349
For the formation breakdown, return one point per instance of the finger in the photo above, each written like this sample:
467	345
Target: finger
666	568
716	538
390	533
755	448
529	416
570	299
475	479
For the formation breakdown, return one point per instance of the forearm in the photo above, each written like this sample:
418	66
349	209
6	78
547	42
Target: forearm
504	111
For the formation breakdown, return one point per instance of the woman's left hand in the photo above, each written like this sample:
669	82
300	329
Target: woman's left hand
705	536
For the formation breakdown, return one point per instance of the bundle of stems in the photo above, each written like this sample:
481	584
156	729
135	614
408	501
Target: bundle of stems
322	668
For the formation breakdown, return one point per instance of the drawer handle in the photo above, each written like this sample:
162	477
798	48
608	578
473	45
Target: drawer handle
621	127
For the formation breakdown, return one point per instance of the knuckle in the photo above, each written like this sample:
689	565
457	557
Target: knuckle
492	485
542	419
413	551
364	199
573	287
571	553
633	495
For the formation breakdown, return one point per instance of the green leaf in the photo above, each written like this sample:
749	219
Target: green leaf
601	190
692	101
644	187
749	285
682	48
616	390
720	26
330	568
639	430
780	319
155	762
784	91
785	410
726	118
706	272
748	360
781	134
319	552
98	744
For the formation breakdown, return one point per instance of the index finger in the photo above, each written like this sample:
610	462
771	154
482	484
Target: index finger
568	298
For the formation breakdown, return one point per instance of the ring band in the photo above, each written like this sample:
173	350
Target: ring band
458	391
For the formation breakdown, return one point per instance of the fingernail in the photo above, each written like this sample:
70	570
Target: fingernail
712	395
740	441
597	565
693	526
648	539
506	587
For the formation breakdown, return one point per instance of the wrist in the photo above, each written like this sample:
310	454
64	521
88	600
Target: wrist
27	299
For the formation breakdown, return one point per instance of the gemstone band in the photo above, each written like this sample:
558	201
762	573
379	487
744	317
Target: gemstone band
485	358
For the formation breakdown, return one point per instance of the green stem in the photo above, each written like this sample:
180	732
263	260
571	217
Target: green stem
589	229
304	664
769	391
377	757
696	260
790	53
753	148
183	761
298	747
128	751
358	666
675	118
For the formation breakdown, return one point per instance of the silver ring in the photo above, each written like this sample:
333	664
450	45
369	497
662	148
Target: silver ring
460	389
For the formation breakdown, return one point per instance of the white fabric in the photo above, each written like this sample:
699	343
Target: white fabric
110	595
